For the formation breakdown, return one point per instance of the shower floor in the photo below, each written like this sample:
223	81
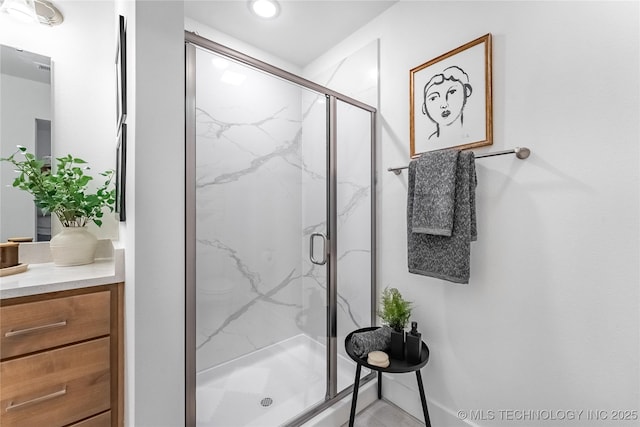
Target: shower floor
267	387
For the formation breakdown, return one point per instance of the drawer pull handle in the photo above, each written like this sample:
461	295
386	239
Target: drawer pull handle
37	399
35	329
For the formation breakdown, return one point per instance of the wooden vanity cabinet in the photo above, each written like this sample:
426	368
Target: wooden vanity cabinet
61	358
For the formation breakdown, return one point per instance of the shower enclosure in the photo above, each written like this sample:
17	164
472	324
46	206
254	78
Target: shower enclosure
280	239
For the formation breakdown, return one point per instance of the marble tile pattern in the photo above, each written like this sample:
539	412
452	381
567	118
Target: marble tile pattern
260	193
355	75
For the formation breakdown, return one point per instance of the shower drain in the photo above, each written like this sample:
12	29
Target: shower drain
267	401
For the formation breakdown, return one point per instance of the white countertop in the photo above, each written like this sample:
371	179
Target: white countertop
46	277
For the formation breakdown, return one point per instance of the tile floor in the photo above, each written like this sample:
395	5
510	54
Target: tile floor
382	413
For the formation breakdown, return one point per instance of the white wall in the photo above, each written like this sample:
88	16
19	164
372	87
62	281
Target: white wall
82	52
550	319
154	230
21	102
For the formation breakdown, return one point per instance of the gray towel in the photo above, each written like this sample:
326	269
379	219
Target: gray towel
445	257
365	342
435	192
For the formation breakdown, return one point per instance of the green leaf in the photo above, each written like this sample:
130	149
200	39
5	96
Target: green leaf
63	191
395	310
83	181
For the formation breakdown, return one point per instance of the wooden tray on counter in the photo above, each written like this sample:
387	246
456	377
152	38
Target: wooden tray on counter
20	268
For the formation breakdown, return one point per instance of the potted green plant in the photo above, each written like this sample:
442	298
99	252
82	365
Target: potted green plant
395	311
64	192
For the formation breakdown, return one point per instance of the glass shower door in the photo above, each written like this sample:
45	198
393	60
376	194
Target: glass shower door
260	223
354	229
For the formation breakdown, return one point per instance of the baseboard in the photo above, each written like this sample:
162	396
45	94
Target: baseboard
408	399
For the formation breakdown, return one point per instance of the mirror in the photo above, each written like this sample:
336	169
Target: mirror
25	119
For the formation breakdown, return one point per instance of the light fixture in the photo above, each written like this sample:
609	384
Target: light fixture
47	13
32	11
265	8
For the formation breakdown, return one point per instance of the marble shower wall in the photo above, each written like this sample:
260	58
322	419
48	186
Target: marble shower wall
248	197
355	75
260	193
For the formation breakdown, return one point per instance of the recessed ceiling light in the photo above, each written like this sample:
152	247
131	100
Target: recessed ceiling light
265	8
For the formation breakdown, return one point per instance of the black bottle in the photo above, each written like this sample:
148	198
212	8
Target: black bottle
414	344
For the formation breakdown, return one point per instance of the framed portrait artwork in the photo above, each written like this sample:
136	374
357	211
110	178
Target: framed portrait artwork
451	101
121	173
121	73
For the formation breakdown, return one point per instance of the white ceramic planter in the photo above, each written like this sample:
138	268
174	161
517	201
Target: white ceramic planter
73	246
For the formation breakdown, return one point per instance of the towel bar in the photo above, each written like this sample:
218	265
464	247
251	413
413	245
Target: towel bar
520	152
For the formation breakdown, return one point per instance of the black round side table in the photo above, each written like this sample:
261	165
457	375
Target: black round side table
395	367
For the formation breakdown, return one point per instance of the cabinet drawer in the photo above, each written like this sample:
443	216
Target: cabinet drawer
34	326
57	387
102	420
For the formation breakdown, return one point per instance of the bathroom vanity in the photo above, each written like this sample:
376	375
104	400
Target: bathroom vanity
61	345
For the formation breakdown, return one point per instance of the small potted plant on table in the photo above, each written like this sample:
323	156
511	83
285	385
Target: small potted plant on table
64	192
395	311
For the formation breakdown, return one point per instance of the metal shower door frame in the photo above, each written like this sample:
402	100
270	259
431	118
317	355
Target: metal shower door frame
332	395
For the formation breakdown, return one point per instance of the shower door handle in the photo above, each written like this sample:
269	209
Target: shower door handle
324	249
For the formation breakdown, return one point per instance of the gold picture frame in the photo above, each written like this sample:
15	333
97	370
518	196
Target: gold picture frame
447	109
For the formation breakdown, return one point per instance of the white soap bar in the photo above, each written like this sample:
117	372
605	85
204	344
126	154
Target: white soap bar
378	357
380	364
